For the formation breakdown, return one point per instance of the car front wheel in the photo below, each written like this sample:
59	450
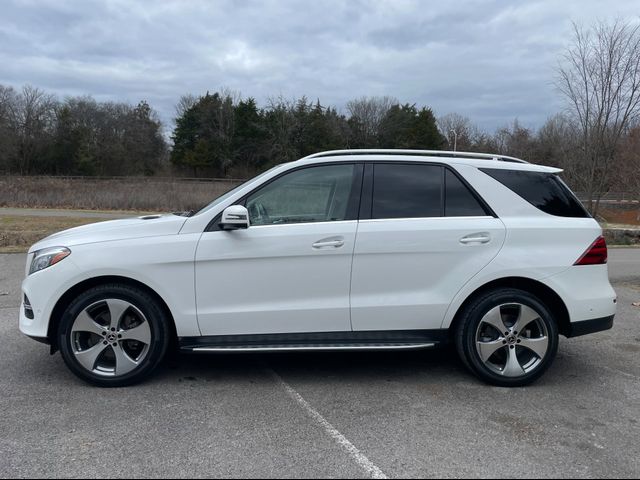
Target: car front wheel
113	335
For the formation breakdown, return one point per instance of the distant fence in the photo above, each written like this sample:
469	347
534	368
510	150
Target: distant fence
612	197
135	179
200	188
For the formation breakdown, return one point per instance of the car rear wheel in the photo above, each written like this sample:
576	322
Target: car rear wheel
507	337
113	335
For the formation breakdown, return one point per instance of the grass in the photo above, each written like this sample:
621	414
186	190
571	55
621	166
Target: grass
620	225
125	194
622	217
140	195
143	195
18	233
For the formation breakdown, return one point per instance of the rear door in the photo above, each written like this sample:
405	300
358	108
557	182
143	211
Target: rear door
423	233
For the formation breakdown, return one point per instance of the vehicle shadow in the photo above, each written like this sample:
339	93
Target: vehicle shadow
341	366
438	366
31	365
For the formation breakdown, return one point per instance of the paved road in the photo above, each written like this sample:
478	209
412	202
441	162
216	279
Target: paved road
624	265
329	415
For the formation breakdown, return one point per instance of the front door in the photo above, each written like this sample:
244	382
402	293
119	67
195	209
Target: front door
290	271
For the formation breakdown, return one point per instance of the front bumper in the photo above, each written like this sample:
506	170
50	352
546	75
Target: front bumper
44	289
36	327
43	340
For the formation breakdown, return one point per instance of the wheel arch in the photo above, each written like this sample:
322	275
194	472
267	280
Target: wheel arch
545	293
65	300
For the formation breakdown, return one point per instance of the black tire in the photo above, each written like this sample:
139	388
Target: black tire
155	350
466	337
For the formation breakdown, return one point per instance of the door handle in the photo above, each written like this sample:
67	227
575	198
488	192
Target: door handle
335	242
476	238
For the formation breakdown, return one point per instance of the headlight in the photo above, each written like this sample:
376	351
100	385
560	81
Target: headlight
47	257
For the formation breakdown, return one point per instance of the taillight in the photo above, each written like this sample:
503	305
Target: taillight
596	254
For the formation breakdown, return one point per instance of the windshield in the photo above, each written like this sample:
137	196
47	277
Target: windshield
231	192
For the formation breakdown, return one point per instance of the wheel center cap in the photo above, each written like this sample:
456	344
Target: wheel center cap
512	340
112	337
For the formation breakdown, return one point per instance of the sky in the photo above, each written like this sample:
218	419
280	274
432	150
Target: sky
492	61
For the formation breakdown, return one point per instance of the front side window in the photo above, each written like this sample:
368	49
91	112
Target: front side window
315	194
231	192
407	191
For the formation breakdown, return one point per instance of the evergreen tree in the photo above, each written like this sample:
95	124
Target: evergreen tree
203	135
249	139
404	126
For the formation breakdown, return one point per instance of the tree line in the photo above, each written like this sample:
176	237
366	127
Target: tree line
221	136
40	134
596	139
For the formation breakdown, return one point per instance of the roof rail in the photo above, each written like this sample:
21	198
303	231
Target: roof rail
431	153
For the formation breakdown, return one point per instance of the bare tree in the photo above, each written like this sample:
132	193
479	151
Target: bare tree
459	130
34	119
366	115
7	98
235	96
600	78
628	166
8	144
558	144
516	140
185	103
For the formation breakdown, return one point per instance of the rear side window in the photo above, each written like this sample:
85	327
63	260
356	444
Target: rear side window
544	191
407	191
459	201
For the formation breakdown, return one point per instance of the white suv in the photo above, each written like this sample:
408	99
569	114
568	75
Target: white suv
346	250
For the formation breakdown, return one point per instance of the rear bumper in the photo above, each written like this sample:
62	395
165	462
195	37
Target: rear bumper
577	329
586	292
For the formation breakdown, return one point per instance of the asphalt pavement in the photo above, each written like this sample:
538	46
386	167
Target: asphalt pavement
410	414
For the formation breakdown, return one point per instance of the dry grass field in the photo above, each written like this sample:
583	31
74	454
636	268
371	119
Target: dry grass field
161	195
18	233
127	193
623	214
147	194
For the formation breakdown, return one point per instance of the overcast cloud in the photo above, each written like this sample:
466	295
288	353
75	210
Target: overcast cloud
492	61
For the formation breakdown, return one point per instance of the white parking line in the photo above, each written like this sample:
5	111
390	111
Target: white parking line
355	454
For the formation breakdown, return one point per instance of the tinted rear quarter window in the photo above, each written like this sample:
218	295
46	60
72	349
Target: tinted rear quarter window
544	191
459	201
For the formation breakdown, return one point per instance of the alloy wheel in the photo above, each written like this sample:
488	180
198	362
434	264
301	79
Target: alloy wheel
512	340
110	337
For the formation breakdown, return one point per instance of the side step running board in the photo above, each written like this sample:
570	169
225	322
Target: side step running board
316	341
302	348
